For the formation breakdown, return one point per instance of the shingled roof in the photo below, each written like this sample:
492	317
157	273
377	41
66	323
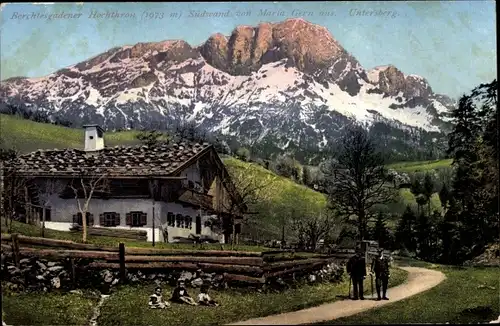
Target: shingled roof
160	160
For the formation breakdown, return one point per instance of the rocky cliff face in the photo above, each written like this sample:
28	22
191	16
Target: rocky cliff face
306	46
290	84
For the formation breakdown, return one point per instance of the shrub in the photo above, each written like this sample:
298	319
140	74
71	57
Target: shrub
243	154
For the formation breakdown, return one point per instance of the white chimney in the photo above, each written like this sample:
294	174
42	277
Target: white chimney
94	138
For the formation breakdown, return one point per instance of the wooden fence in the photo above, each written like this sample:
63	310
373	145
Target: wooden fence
138	235
243	266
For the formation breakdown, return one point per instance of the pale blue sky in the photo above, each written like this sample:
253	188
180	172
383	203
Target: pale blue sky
452	44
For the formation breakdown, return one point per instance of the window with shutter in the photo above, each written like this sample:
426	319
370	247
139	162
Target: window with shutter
144	219
179	219
128	218
137	218
79	219
170	219
109	219
187	222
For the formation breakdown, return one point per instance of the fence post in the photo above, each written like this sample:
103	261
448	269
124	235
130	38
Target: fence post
122	262
73	273
15	249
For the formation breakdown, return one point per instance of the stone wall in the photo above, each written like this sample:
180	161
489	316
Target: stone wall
41	275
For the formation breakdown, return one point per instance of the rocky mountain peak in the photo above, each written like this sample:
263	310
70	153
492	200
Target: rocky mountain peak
306	46
392	81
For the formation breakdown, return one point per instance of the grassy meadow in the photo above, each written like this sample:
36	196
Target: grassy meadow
127	305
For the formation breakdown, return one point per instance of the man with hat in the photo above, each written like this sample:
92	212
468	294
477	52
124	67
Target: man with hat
356	268
380	266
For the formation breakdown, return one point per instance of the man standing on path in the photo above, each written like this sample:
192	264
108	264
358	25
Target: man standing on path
356	268
380	266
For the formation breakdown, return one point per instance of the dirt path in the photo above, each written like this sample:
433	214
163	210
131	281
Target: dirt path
419	280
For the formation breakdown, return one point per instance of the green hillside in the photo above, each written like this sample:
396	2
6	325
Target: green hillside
281	197
26	135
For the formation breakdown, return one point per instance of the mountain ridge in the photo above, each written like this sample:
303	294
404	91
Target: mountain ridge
289	83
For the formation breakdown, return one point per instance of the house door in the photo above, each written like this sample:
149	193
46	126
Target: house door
198	224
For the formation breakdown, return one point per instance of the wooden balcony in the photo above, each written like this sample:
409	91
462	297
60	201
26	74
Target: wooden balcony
197	199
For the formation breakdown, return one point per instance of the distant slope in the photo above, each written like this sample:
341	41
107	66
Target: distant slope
421	166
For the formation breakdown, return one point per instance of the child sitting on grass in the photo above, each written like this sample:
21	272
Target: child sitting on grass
204	299
180	295
156	300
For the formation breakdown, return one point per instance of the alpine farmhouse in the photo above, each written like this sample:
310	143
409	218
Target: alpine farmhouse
177	188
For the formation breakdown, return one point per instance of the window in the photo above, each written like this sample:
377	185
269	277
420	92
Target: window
47	214
40	210
77	219
180	221
170	219
91	137
109	219
188	221
136	218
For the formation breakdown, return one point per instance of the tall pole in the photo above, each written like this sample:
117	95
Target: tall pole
153	222
1	192
153	192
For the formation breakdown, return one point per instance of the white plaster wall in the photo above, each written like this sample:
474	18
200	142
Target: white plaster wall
177	208
59	226
63	210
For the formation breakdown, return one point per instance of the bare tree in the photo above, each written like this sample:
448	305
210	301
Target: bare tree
244	191
47	188
357	180
314	224
12	184
188	130
84	187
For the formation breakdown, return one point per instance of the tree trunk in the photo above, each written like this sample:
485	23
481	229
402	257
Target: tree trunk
153	221
84	226
361	228
233	236
10	214
43	222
